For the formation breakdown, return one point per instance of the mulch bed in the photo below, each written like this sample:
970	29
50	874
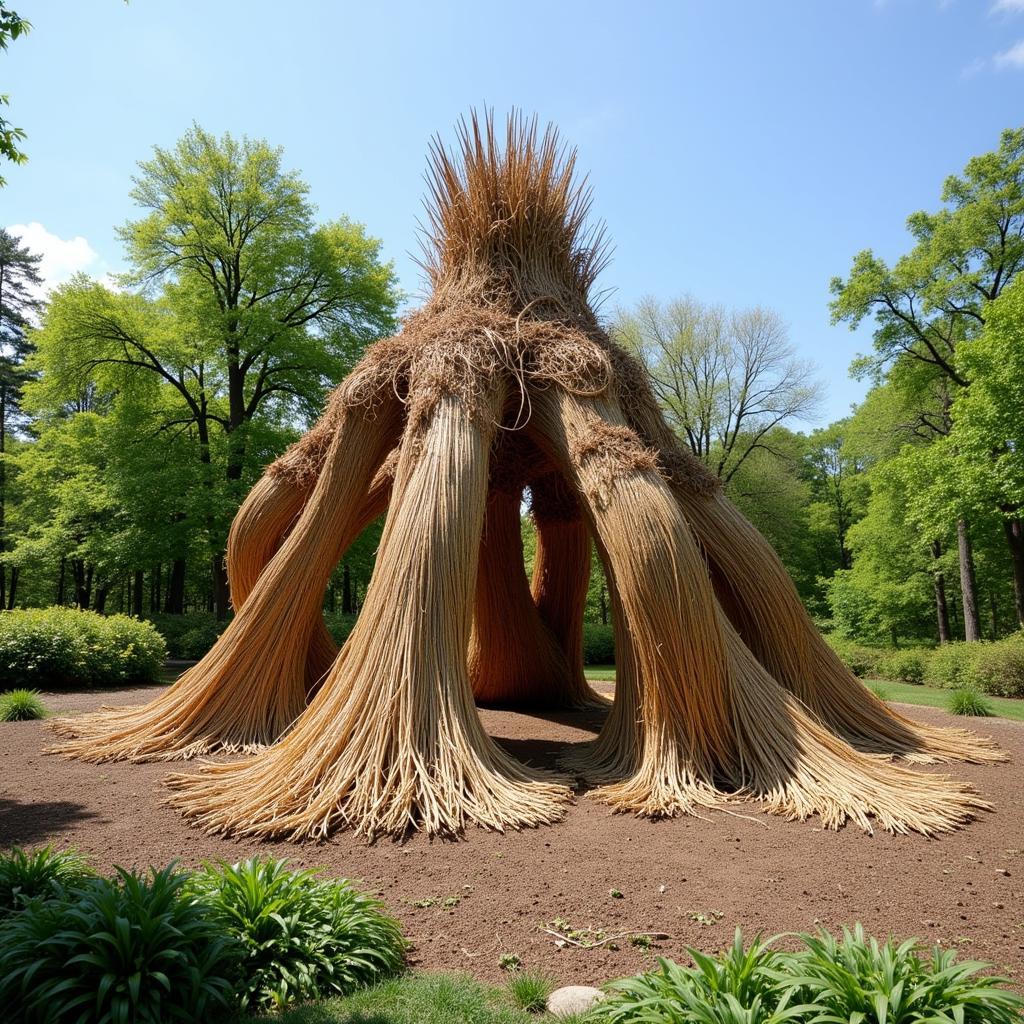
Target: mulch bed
463	904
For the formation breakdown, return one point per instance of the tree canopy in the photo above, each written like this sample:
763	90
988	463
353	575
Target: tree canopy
238	313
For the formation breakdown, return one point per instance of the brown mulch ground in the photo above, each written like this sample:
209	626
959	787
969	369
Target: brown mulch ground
695	879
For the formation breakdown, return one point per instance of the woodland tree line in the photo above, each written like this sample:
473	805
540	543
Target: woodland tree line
135	413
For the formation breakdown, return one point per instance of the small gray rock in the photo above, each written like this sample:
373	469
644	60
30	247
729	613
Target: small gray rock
564	1002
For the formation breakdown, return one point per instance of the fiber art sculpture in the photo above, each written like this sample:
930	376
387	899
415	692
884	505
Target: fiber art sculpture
504	383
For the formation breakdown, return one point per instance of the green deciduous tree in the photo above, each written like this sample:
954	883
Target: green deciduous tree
239	306
988	420
725	379
933	302
19	282
12	26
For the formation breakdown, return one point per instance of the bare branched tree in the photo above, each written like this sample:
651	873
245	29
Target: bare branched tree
725	378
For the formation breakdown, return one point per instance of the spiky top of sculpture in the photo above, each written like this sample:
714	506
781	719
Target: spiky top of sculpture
503	381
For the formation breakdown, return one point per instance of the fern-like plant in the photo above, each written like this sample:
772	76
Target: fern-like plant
300	937
39	874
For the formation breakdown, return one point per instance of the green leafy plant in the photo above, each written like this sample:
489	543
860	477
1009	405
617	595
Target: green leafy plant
21	706
61	648
39	874
743	986
530	991
189	635
948	664
856	978
300	937
510	962
904	666
861	660
598	644
967	701
998	668
127	949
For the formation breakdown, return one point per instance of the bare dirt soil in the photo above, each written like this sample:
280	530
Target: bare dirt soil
465	903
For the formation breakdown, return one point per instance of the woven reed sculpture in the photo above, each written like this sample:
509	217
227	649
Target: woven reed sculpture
506	382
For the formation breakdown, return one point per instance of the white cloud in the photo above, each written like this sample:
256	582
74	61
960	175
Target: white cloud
1007	7
1012	58
61	258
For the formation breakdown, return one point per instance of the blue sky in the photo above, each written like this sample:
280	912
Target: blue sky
742	152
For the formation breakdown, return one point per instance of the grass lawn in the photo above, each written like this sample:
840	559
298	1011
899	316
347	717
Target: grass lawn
418	999
906	693
932	697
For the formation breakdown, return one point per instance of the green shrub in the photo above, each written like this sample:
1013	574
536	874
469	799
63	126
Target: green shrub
997	668
21	706
300	937
947	665
190	635
41	874
128	949
339	626
530	991
598	644
718	990
967	701
851	978
59	648
862	661
903	666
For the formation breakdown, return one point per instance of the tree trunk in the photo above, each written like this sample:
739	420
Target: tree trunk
221	589
346	591
137	594
1014	530
155	587
101	599
3	491
15	573
175	601
83	582
968	585
939	583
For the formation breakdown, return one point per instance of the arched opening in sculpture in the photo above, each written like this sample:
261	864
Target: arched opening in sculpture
505	381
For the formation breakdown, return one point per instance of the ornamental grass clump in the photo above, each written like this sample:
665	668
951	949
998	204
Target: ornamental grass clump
297	937
967	701
530	991
21	706
505	381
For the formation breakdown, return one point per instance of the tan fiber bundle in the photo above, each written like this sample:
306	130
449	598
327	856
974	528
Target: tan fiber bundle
504	385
